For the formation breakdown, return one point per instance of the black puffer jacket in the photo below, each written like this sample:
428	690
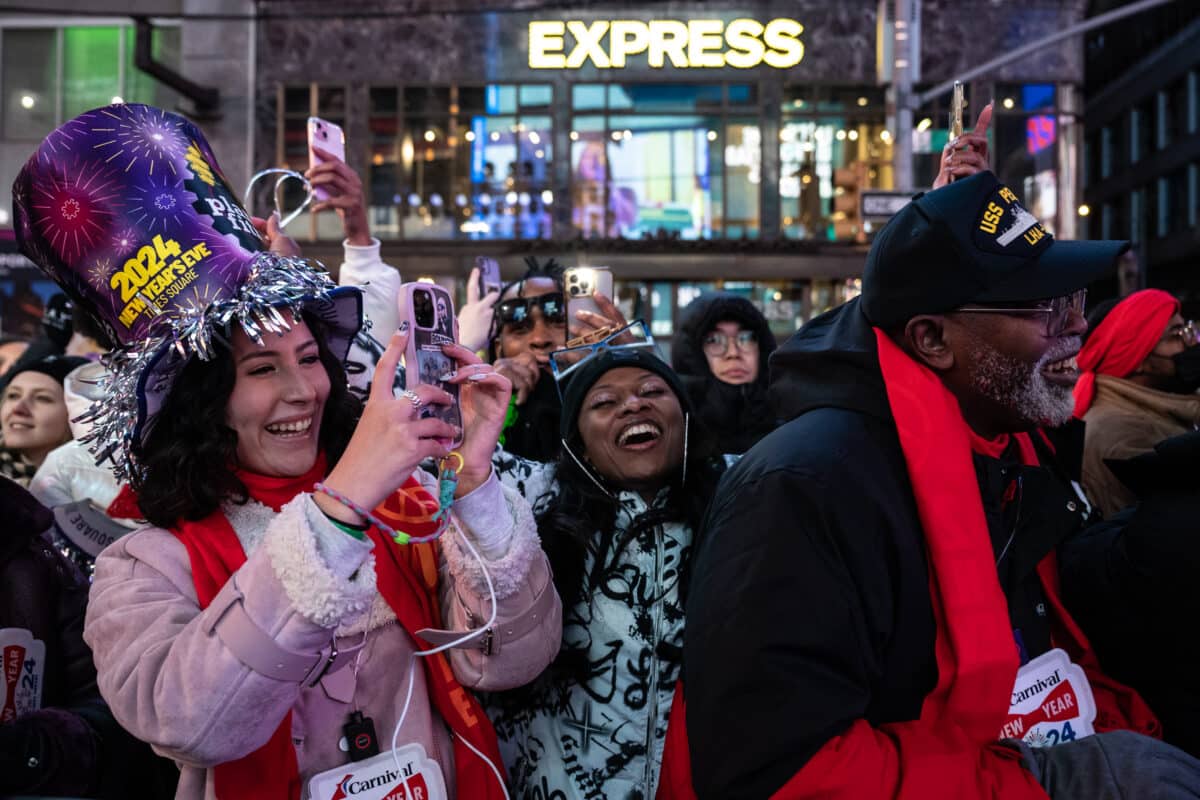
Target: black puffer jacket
816	610
1132	579
738	416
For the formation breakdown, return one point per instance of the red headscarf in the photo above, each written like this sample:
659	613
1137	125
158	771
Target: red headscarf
1122	341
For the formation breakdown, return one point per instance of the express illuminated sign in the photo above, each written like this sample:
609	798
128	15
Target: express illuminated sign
695	44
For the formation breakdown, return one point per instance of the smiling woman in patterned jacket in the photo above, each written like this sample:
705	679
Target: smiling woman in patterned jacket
616	515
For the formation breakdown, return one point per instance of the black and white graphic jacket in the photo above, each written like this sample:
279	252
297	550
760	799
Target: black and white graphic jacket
602	737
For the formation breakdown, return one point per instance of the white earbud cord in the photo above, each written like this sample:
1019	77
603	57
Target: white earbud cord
412	672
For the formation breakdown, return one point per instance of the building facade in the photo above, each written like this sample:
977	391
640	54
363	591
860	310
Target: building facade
1142	152
686	145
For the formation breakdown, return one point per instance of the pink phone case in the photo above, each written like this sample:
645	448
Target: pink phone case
429	310
330	138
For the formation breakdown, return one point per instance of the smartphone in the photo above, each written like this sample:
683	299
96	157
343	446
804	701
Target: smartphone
489	275
580	283
429	310
330	138
957	101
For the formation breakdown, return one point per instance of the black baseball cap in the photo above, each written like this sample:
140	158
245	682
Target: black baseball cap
972	242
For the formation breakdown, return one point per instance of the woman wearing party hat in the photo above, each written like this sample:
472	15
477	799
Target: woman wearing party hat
265	631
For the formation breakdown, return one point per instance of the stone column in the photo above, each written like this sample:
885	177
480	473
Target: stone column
221	53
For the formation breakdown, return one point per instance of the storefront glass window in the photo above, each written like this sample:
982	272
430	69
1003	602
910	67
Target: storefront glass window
590	182
662	170
833	144
743	175
296	105
91	65
462	162
30	92
54	74
1025	146
786	304
665	161
141	87
652	302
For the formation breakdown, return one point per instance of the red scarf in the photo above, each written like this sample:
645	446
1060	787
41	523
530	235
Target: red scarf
1122	341
407	578
1118	707
976	654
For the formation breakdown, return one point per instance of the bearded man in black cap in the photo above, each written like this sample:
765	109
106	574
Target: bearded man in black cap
876	609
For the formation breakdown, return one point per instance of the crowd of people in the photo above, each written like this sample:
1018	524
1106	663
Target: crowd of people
934	544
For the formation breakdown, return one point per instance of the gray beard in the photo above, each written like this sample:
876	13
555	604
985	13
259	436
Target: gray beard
1023	388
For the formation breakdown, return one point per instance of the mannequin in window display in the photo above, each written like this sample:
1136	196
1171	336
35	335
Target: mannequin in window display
545	221
809	201
503	219
588	189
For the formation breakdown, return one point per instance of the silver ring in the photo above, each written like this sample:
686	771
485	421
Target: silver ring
412	398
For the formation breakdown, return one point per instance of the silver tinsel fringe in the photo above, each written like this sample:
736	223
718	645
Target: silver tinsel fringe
269	301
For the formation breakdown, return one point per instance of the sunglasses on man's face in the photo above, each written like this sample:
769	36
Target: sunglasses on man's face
517	313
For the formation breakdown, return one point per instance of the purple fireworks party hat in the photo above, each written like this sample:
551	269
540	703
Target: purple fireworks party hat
127	210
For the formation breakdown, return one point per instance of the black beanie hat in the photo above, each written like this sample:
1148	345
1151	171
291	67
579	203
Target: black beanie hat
587	374
57	367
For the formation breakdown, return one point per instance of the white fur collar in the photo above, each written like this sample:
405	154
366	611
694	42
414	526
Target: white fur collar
250	522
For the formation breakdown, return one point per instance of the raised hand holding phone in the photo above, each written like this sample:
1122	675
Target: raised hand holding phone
476	315
488	275
967	154
326	142
337	186
581	285
957	103
389	442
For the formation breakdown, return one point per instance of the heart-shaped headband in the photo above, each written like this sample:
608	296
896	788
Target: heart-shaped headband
284	175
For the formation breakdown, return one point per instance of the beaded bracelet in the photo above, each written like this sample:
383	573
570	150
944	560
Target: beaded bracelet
447	483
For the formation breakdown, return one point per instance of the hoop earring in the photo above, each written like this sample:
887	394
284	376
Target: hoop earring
586	471
687	418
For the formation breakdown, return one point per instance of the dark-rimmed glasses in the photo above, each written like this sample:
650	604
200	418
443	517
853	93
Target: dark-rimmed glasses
517	312
634	336
716	343
1057	310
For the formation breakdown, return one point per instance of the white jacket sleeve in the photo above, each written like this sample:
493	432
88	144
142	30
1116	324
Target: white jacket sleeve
70	473
380	283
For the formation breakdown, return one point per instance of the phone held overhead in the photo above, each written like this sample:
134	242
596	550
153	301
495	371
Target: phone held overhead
331	140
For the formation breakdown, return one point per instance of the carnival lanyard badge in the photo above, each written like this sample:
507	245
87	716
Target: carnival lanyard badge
631	337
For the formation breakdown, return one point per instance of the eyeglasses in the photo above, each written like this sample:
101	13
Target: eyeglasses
717	343
1057	310
518	311
1186	333
627	339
